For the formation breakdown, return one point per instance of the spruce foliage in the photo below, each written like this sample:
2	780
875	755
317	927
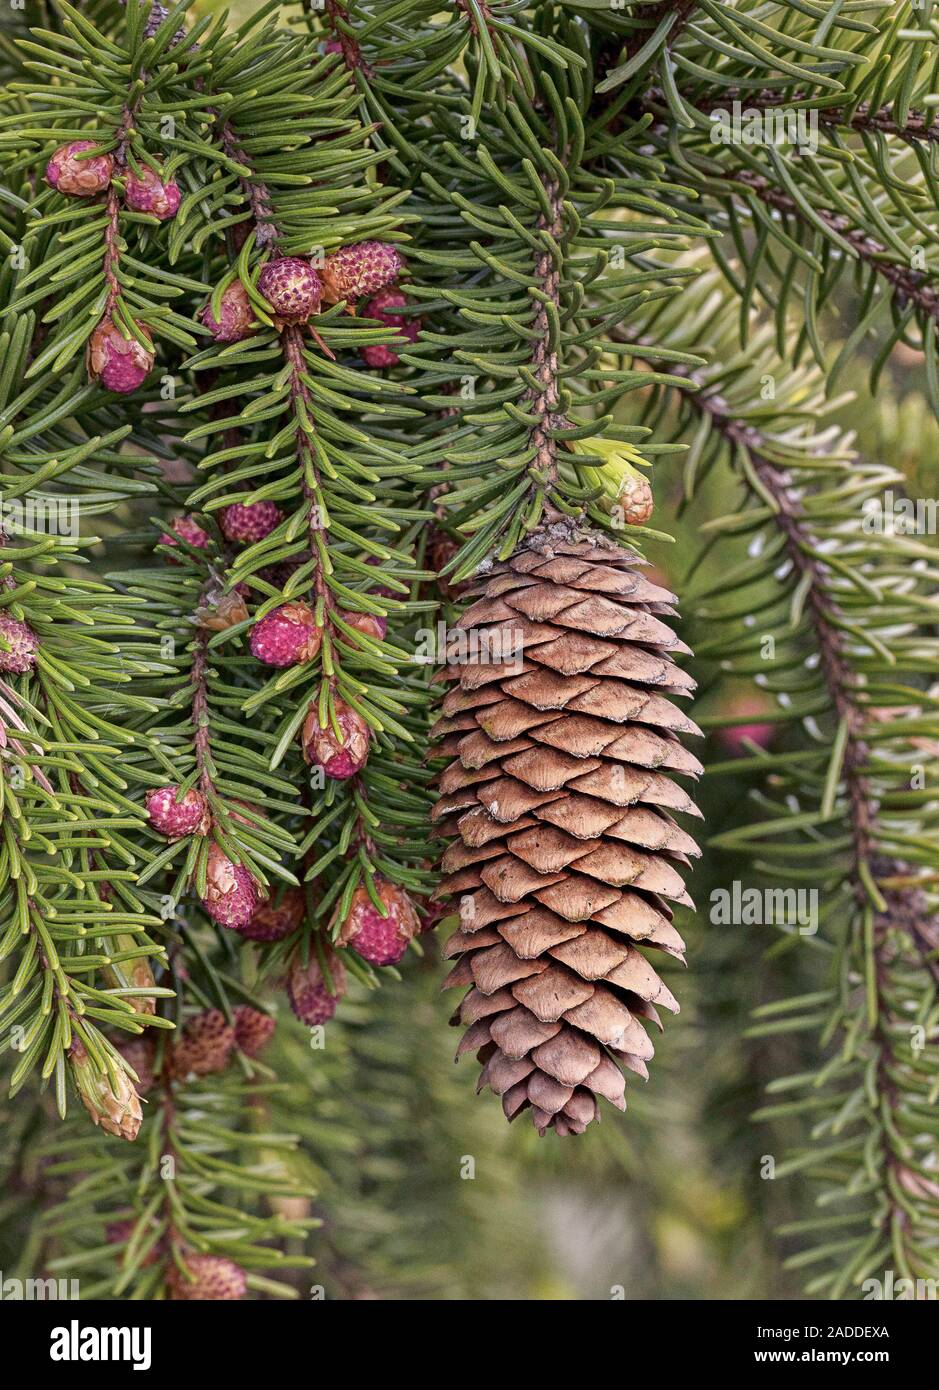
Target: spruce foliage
596	291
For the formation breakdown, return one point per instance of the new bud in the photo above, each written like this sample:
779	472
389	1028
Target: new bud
231	895
286	636
208	1279
146	192
622	486
339	757
221	611
112	1102
381	940
120	364
79	177
371	624
291	287
235	315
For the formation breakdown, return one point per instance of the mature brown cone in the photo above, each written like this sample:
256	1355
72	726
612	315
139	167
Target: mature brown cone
559	801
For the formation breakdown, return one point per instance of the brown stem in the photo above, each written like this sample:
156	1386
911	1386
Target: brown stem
291	340
484	10
351	52
257	195
112	253
544	401
917	127
908	284
200	707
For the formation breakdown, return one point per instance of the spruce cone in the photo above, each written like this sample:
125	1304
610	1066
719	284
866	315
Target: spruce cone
211	1278
205	1045
559	801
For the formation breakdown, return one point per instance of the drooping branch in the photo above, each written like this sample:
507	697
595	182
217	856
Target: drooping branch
893	911
919	125
909	284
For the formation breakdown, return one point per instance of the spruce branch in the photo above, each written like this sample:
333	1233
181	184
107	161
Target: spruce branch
867	631
909	285
918	125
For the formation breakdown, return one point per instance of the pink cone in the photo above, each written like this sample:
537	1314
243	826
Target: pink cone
286	636
377	939
291	287
246	522
120	364
79	178
173	818
146	192
340	758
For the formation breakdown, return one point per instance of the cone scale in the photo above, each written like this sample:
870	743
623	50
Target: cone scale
564	856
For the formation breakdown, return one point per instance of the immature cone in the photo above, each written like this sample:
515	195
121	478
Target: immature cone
381	940
205	1045
79	178
310	996
342	757
244	522
147	192
252	1029
286	636
559	803
184	528
175	818
383	306
18	646
231	895
120	364
211	1278
363	268
235	315
272	921
291	287
112	1102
